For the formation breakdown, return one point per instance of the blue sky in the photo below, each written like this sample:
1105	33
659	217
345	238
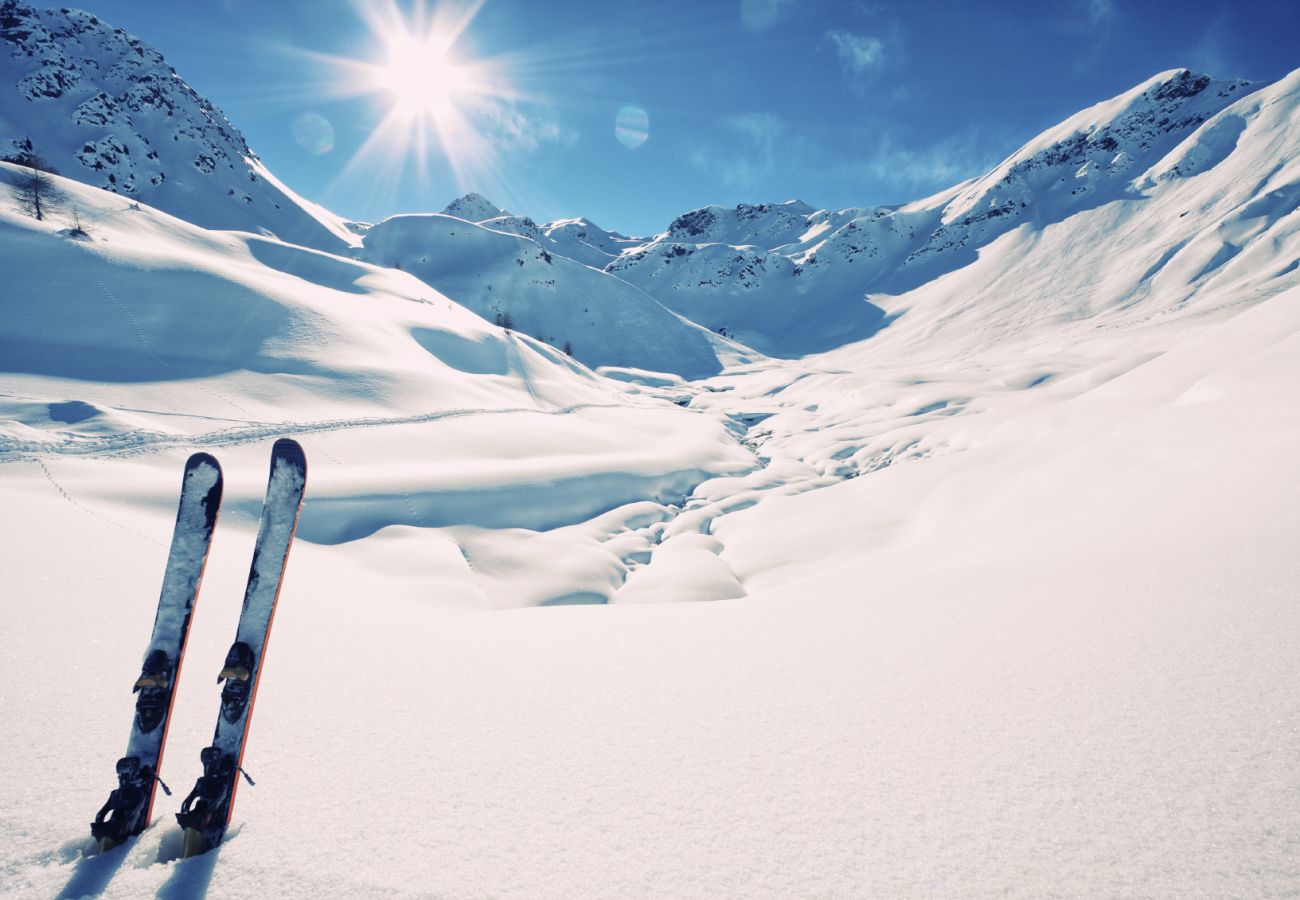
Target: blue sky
836	103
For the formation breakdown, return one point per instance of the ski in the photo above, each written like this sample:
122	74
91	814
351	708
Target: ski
130	804
206	811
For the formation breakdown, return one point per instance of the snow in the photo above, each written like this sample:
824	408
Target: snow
994	597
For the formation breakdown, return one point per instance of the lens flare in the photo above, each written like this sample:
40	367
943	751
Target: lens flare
314	133
632	126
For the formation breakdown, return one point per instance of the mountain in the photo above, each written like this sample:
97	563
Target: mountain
473	208
782	278
1089	159
578	239
106	109
513	280
102	328
789	280
1199	220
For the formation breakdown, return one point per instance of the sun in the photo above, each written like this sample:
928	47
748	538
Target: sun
438	101
424	79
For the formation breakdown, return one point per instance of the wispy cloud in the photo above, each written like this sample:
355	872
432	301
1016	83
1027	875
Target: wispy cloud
749	150
760	127
866	51
900	163
1099	13
1210	54
1093	22
511	127
860	54
752	151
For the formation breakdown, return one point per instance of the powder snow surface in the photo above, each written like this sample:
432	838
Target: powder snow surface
999	602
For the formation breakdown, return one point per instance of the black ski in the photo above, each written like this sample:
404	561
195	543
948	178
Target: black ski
206	812
130	805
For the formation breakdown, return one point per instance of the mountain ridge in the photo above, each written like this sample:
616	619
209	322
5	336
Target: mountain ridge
107	109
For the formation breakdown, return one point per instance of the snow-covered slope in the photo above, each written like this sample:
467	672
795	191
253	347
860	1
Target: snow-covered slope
583	240
151	333
511	279
106	109
767	225
1206	226
1088	160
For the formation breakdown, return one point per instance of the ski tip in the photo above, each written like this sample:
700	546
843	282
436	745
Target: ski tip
288	448
202	459
195	465
197	459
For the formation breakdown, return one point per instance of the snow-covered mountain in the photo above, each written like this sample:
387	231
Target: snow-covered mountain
577	239
1089	159
474	207
106	109
510	278
145	304
789	280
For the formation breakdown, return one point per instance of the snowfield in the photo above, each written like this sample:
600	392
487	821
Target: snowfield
999	599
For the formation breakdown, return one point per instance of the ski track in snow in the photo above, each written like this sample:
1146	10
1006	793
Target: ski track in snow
49	476
12	451
130	316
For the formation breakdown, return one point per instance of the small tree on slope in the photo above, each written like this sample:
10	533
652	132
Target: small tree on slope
35	189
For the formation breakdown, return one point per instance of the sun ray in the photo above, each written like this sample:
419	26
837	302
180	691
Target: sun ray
449	114
437	99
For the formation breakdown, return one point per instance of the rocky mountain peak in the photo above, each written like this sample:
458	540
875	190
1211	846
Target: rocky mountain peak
474	207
